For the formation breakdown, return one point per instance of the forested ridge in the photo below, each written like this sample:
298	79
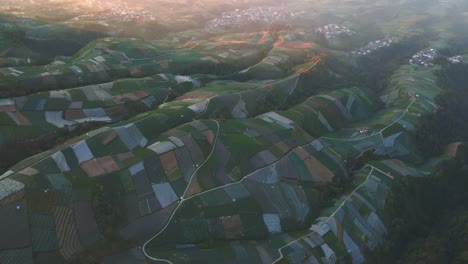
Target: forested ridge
427	218
449	123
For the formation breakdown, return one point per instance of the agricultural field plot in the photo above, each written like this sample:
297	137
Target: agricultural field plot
329	112
263	96
356	222
114	101
414	81
95	103
216	167
62	179
235	47
288	51
257	211
387	132
244	146
200	169
270	175
101	61
15	225
16	256
243	103
100	103
45	113
221	55
177	151
274	145
236	43
216	88
265	190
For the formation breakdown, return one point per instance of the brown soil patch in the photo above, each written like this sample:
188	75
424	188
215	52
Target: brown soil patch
210	136
195	95
319	172
264	39
142	94
5	52
279	42
138	95
111	135
67	234
318	102
232	227
194	187
131	96
92	168
451	149
116	110
335	96
22	119
309	108
298	46
8	108
29	171
302	153
282	146
125	156
108	164
91	68
136	73
13	197
74	114
169	161
339	228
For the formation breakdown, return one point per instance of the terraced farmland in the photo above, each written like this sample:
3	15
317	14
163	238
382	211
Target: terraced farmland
267	146
251	178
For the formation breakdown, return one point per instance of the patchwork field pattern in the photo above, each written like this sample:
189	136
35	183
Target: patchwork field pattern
227	148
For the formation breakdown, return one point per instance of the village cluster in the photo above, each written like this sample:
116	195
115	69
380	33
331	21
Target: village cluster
333	30
238	16
375	45
119	10
456	59
424	57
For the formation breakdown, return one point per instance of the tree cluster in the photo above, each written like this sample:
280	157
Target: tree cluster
426	218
